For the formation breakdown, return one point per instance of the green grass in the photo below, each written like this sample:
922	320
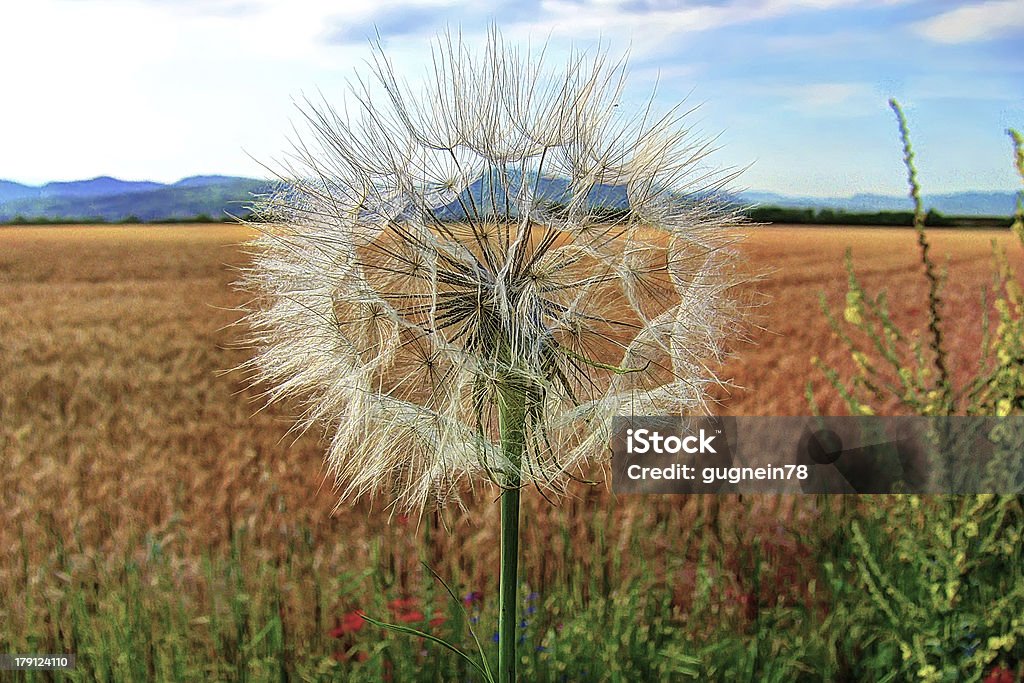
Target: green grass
137	618
789	607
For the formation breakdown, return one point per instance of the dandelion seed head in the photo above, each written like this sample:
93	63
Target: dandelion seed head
427	252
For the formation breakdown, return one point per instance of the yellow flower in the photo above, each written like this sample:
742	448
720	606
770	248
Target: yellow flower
862	361
996	643
853	308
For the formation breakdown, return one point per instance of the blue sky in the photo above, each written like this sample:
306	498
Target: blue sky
795	90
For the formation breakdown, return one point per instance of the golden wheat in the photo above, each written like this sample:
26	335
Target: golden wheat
117	420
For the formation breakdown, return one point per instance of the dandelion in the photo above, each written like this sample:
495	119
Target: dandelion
472	280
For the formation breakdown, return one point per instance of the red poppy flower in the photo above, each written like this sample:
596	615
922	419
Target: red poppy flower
409	617
438	620
999	675
343	657
402	604
350	623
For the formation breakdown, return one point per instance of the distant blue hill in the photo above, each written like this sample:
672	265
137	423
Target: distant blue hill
109	199
487	196
96	187
952	204
207	180
11	190
478	197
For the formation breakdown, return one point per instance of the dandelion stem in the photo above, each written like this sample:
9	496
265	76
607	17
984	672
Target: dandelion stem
512	426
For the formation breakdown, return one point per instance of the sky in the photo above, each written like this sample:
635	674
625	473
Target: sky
794	91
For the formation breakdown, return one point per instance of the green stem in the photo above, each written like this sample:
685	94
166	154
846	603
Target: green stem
934	281
512	425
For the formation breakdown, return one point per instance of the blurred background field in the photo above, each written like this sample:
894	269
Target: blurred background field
160	525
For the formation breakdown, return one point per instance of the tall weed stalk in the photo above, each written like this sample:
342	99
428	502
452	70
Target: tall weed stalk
938	591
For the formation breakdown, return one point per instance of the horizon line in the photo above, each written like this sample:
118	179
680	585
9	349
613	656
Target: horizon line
746	190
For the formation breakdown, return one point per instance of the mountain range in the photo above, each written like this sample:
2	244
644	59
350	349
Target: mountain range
217	197
110	199
950	204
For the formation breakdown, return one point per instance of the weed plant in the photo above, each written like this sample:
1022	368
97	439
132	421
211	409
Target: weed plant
938	590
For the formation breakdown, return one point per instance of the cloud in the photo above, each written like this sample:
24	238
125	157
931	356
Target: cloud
654	27
970	23
825	95
824	100
168	88
654	73
217	8
423	18
388	22
649	24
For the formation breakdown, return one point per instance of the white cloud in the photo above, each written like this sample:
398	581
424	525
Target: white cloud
158	90
982	21
651	26
665	74
825	95
822	101
161	89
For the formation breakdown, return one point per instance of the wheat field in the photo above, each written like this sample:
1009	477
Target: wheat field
122	427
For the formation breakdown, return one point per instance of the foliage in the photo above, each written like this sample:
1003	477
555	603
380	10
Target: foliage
156	617
939	580
132	219
939	586
811	216
892	363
